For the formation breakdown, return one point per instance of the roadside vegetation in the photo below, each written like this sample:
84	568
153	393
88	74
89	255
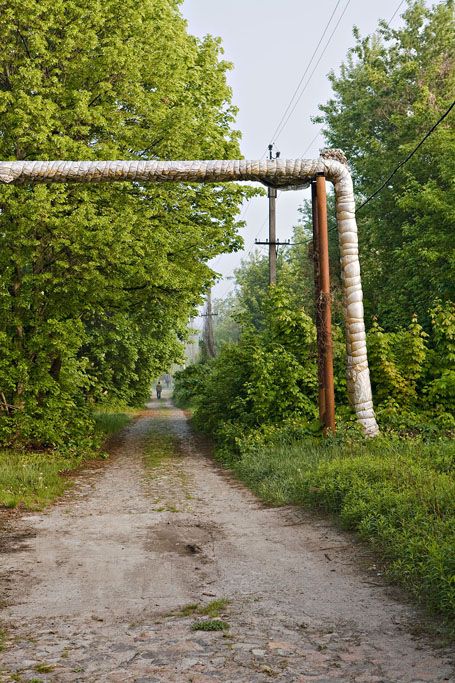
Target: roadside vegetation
258	400
397	494
258	397
32	479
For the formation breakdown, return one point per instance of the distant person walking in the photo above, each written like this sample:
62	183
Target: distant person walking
159	388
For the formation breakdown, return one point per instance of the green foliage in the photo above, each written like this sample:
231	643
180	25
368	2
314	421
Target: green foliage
399	495
396	362
226	327
210	625
412	373
188	384
34	479
98	282
266	382
392	87
110	423
267	377
441	389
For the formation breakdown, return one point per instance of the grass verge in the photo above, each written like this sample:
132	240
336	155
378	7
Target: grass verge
34	479
108	422
398	495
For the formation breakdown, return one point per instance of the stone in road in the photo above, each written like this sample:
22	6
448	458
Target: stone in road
99	586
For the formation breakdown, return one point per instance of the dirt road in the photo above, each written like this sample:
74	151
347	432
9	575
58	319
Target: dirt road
107	584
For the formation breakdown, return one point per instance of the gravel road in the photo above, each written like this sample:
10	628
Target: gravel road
106	585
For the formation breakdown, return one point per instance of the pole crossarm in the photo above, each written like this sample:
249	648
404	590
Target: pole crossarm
277	173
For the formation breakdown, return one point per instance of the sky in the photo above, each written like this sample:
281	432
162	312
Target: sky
270	44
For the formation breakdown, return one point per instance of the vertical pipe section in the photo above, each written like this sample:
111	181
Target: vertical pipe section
326	317
317	305
272	235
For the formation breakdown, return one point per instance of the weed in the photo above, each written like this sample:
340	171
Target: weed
108	423
32	480
212	609
2	639
160	446
210	625
43	668
188	610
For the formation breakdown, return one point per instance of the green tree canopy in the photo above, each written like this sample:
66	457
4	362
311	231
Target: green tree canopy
99	281
393	86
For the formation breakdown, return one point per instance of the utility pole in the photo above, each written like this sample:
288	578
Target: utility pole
272	194
208	337
272	235
323	304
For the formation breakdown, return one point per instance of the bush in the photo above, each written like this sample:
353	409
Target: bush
267	378
188	384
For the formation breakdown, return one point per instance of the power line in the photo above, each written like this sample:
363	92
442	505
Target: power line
305	72
406	159
302	156
259	232
395	13
279	129
285	122
282	123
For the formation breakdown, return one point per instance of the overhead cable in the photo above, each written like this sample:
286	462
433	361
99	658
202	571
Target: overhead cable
293	108
305	72
408	156
395	13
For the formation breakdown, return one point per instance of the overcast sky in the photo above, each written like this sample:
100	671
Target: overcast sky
270	44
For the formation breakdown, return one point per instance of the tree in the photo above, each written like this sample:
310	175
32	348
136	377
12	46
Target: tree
99	281
392	87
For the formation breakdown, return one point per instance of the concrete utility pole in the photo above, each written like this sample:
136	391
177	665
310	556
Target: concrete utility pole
272	235
272	194
208	337
323	304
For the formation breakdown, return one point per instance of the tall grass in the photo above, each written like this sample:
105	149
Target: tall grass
109	423
398	495
32	479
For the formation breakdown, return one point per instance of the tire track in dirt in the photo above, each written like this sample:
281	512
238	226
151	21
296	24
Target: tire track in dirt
96	584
